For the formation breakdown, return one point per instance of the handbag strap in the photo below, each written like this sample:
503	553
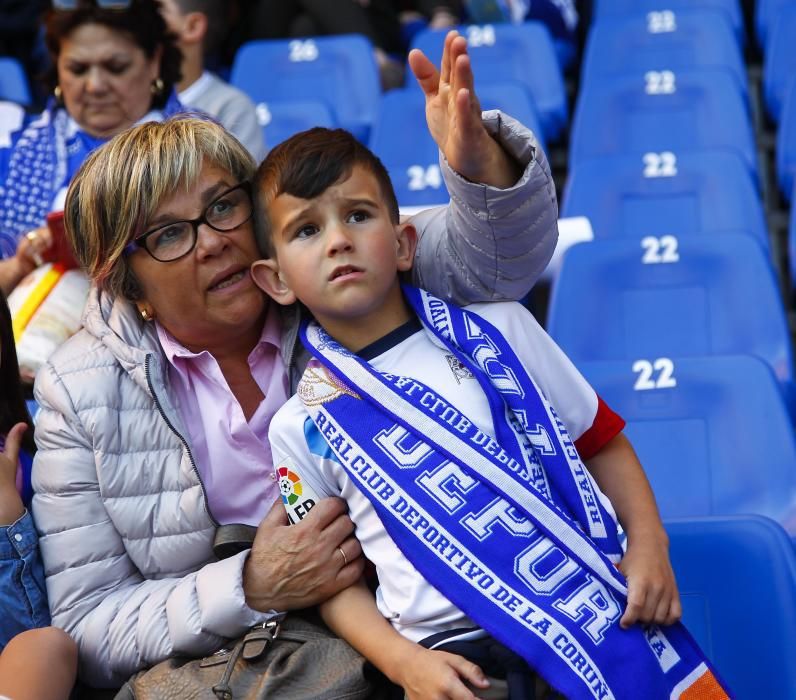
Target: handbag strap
260	637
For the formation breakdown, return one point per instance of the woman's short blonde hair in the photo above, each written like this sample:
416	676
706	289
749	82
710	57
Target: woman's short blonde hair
121	184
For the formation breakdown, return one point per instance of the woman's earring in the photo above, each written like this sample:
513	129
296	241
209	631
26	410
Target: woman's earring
146	314
157	87
58	94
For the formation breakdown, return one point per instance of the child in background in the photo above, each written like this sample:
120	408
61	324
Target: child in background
34	663
452	460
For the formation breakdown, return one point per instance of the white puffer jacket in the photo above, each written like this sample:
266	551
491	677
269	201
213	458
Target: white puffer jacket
126	535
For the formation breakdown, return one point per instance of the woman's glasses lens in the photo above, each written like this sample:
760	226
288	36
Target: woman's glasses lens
172	241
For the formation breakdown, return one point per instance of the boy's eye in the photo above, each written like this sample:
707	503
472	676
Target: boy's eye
306	231
358	216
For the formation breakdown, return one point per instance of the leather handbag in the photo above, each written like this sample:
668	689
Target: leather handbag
291	659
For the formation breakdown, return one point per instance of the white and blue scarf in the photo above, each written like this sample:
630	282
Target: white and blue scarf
44	158
510	530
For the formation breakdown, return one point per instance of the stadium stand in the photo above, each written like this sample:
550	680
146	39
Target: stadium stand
766	12
338	70
737	579
503	53
664	15
660	111
701	38
780	60
713	433
666	193
786	144
687	296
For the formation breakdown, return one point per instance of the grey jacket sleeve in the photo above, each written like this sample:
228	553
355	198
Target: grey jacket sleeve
490	244
121	620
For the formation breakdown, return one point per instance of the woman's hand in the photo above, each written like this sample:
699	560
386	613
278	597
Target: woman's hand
296	566
11	506
28	256
453	114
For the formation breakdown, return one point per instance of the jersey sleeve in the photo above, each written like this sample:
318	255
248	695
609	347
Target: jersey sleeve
298	466
589	420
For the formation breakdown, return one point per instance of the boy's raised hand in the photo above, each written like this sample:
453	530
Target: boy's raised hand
438	675
453	114
652	595
11	506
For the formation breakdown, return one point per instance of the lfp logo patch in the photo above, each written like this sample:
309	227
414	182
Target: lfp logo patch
289	485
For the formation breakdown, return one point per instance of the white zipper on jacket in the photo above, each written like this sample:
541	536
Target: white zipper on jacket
179	435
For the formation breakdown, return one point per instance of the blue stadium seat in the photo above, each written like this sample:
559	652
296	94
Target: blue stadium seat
13	82
701	38
512	52
779	65
682	193
792	250
684	110
737	581
713	433
412	156
624	299
664	15
786	144
338	70
280	119
765	17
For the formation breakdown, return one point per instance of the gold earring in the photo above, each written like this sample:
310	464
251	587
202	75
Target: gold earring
146	314
58	94
157	87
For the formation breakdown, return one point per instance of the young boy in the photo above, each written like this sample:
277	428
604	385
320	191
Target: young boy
465	487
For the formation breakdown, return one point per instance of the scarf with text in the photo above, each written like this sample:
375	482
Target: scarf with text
511	530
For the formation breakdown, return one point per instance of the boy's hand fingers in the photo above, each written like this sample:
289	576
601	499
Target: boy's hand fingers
469	671
13	443
675	611
445	66
425	72
635	606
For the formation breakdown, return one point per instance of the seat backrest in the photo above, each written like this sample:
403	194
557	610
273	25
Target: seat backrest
338	70
13	82
737	581
628	299
666	193
713	433
675	111
786	143
780	61
766	12
664	14
280	119
698	38
521	53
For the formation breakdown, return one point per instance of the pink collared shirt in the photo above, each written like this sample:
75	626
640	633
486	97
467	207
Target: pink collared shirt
233	456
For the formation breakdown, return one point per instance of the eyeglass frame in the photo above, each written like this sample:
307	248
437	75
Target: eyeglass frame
72	5
136	243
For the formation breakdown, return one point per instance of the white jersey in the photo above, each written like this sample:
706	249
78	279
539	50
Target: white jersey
309	470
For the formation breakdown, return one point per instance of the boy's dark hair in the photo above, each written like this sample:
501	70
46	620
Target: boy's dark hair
305	166
13	408
216	12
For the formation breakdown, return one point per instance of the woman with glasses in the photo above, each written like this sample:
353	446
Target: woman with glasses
113	65
153	421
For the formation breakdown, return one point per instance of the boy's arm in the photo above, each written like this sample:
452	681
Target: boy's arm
352	615
652	589
499	231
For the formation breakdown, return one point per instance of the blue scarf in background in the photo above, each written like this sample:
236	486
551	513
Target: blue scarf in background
44	158
510	530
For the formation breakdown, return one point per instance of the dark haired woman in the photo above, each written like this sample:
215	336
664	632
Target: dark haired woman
111	69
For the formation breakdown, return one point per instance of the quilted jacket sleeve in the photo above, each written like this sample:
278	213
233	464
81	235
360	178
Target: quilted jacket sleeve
121	620
490	244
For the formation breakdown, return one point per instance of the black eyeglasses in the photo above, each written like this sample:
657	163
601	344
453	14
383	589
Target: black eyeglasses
103	4
175	240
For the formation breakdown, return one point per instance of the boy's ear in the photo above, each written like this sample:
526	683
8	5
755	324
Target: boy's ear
407	244
194	27
265	274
